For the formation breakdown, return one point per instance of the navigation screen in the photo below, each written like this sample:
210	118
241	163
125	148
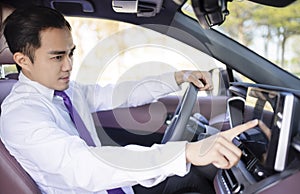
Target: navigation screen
261	105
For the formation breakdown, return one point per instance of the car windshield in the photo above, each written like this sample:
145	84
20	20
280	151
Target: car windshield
273	33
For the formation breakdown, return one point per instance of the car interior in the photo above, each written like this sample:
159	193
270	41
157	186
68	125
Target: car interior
270	160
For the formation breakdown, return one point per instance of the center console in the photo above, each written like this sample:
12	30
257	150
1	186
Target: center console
269	151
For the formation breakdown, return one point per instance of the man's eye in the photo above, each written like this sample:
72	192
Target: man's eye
57	58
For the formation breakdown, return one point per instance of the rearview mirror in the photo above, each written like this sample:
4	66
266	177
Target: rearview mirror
210	12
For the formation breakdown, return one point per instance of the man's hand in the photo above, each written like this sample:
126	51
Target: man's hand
201	79
217	149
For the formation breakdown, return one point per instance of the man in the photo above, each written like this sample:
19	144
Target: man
39	132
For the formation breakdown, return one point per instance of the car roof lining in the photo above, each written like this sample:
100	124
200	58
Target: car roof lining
103	9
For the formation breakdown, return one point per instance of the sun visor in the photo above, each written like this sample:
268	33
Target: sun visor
143	8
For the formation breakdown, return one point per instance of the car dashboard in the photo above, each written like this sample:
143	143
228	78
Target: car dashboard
270	151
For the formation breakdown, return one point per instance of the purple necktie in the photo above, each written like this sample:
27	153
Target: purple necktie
81	128
115	191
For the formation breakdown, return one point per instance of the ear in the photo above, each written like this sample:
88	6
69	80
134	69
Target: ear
22	60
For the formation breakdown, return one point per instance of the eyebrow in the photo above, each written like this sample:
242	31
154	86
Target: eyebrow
60	52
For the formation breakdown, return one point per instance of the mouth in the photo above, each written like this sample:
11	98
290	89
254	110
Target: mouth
65	78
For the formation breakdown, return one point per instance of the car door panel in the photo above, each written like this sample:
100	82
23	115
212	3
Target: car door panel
151	119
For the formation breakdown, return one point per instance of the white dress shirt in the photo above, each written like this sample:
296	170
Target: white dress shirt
37	130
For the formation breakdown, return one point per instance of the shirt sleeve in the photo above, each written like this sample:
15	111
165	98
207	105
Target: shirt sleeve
57	159
144	165
129	93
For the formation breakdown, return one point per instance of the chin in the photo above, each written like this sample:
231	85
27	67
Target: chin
62	87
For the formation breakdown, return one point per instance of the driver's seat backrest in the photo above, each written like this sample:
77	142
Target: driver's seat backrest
13	178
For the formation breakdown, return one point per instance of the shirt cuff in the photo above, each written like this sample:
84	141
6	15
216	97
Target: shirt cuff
171	85
182	167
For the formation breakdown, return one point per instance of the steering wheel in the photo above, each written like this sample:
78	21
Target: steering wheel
176	128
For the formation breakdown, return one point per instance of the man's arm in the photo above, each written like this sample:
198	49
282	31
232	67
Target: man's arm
136	93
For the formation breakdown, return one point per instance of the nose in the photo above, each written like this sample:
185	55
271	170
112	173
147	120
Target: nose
67	64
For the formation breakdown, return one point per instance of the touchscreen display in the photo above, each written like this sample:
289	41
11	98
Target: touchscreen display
269	142
261	105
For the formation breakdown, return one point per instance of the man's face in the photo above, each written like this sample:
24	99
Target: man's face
53	60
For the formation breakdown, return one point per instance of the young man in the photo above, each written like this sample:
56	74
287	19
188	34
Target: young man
37	129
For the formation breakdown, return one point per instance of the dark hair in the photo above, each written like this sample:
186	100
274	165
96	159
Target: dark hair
22	28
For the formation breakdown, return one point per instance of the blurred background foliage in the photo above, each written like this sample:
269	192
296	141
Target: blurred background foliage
273	31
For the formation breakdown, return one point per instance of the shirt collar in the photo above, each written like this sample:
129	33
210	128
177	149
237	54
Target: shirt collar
47	92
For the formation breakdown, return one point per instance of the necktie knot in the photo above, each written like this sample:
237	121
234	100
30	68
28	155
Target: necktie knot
67	102
61	94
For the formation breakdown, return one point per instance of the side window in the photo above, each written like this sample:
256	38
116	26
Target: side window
241	78
8	70
109	52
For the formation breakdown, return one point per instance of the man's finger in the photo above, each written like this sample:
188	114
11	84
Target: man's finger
230	134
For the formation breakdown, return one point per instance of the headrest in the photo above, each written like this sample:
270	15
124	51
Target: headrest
6	56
